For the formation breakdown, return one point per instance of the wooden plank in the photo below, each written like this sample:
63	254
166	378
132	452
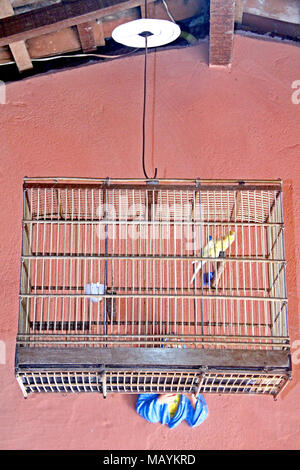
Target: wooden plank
58	16
91	35
139	357
67	40
261	25
21	55
221	32
86	36
5	54
150	10
283	10
18	48
100	28
21	3
239	10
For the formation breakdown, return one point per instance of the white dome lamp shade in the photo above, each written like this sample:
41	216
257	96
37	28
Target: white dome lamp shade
158	33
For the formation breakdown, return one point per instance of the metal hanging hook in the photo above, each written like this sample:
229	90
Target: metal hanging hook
145	34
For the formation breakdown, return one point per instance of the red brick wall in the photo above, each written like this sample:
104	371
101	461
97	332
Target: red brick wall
221	32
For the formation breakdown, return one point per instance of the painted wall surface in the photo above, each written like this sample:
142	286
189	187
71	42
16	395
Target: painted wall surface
201	122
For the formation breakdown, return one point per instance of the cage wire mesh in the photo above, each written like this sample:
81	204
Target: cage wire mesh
132	264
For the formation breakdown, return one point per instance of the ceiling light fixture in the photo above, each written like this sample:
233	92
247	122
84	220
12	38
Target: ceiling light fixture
132	34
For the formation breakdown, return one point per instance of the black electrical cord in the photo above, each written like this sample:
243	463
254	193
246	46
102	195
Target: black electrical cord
145	35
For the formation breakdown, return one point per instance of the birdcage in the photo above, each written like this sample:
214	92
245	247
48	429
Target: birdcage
131	286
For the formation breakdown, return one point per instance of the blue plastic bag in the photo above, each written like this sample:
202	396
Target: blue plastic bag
149	408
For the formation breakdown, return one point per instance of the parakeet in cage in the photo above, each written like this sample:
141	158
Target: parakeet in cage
213	249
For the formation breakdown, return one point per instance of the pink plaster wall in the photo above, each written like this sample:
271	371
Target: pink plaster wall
208	123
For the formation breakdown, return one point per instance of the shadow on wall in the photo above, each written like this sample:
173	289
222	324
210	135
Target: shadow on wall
290	254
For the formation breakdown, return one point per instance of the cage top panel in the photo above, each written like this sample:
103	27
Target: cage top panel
168	200
195	182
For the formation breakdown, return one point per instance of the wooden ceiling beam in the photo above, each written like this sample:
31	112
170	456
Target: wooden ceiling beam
21	3
86	36
222	13
58	16
18	48
260	25
67	40
150	9
101	31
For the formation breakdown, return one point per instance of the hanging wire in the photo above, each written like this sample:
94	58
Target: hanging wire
168	11
145	35
71	56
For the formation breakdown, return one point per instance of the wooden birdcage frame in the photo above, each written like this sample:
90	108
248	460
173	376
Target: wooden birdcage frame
152	328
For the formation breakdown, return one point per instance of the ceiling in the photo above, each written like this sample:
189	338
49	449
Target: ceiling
38	36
